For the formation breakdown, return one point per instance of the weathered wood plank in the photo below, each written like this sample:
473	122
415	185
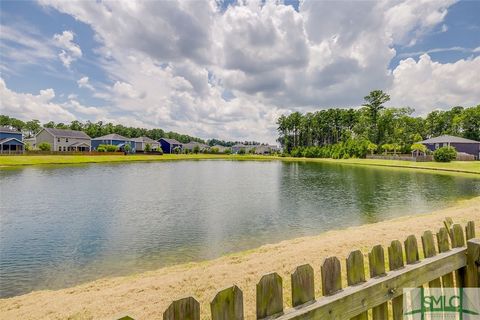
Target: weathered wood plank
458	241
331	276
470	230
227	304
303	285
411	249
376	259
269	296
354	300
473	263
356	275
395	262
183	309
444	246
429	251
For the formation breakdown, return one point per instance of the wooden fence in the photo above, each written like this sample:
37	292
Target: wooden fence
453	265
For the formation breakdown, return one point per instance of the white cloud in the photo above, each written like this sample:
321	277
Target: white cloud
70	50
83	82
425	84
30	106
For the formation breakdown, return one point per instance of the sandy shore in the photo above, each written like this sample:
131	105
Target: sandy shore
147	295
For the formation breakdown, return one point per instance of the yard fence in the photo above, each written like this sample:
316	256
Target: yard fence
404	157
452	265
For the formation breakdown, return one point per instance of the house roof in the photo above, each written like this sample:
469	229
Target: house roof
192	144
77	144
3	141
144	139
112	136
448	139
170	141
8	130
67	133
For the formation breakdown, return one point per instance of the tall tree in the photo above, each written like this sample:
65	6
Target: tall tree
374	103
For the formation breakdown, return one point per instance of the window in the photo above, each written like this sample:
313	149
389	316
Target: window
64	148
60	148
66	139
58	139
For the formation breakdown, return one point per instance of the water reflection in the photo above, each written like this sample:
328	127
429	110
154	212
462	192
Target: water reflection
65	225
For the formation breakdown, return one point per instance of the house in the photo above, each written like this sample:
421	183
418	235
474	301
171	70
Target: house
462	145
221	149
239	146
115	140
64	139
192	144
141	143
265	149
11	141
169	144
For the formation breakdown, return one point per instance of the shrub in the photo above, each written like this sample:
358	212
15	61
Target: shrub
228	151
241	151
148	147
445	154
45	146
177	150
111	148
196	149
214	150
101	148
418	147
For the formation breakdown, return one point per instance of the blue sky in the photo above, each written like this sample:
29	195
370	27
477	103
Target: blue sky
229	69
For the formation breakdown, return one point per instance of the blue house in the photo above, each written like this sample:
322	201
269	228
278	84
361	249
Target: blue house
169	144
115	140
11	141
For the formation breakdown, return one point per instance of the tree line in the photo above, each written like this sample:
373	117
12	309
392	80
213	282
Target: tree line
337	132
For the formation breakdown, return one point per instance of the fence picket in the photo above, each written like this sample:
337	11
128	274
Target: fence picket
395	261
183	309
303	286
444	246
269	296
458	241
331	276
470	230
376	259
429	251
227	304
473	263
356	275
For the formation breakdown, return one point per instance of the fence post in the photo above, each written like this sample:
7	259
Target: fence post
183	309
458	241
269	296
473	263
395	261
356	275
376	259
227	304
444	246
303	286
331	276
429	251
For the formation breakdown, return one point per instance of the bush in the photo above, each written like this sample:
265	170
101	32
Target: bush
148	147
241	151
228	151
111	148
101	148
445	154
45	146
214	150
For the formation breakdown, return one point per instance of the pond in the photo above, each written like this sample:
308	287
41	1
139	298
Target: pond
65	225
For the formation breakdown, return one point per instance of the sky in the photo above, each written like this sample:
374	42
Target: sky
229	69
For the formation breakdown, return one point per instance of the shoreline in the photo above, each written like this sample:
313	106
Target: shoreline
148	294
9	162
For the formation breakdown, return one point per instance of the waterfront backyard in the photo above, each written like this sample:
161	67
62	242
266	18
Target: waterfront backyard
70	224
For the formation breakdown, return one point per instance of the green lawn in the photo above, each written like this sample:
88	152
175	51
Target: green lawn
9	161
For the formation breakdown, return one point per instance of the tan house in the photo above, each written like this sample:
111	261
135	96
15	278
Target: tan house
64	139
141	143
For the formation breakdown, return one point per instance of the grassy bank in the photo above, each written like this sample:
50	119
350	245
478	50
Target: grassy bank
455	166
147	295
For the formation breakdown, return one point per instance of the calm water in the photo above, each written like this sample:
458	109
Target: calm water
65	225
